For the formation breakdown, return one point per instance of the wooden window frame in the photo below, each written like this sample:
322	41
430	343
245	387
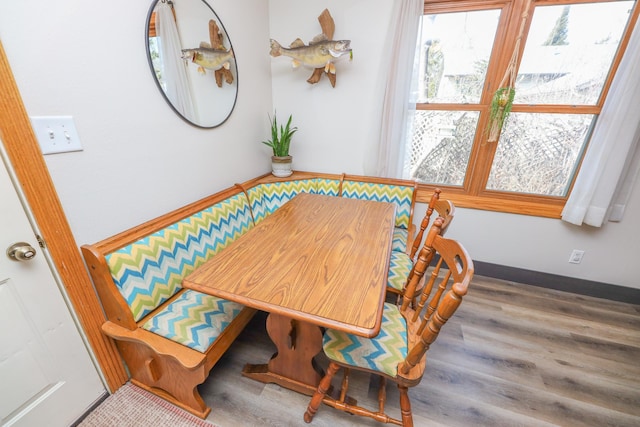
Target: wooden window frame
473	194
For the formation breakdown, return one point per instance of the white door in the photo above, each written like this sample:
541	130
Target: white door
47	377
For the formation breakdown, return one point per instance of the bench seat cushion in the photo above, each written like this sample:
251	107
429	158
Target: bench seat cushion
150	271
400	237
193	319
381	353
400	266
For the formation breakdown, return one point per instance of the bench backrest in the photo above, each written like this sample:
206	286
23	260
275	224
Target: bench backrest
266	197
150	270
399	193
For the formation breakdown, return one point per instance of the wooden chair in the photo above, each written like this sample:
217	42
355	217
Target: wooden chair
401	264
443	208
398	353
425	222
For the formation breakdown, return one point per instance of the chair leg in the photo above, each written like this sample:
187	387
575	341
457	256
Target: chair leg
382	394
405	407
318	396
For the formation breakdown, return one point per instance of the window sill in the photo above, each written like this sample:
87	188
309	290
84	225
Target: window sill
522	205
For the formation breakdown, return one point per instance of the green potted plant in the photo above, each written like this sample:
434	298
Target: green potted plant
279	143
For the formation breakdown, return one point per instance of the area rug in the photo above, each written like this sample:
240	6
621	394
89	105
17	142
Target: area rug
133	406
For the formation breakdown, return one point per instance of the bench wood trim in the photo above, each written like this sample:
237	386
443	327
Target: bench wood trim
157	364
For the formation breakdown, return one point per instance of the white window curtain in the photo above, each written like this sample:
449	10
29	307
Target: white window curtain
611	163
388	156
177	89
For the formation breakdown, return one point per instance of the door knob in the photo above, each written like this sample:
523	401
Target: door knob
21	251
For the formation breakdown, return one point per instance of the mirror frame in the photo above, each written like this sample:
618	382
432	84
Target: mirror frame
155	78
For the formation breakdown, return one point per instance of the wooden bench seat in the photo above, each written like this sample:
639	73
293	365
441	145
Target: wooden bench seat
169	337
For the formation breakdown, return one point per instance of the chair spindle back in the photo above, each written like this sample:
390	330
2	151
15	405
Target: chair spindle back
440	296
425	222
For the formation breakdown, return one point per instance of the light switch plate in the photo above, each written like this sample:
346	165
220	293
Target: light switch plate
56	134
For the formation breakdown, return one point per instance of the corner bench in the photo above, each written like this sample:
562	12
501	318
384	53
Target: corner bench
169	337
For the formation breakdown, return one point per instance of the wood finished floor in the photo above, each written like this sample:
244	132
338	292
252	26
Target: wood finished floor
512	355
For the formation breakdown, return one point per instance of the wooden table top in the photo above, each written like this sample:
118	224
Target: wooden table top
320	259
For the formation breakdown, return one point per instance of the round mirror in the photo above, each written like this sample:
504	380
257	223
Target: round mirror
192	60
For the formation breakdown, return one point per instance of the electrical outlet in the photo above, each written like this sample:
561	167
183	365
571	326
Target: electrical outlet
576	256
56	134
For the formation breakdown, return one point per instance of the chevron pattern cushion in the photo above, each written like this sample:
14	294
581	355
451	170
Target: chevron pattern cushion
400	266
400	237
150	271
327	186
194	319
255	201
231	219
277	194
399	195
382	353
266	198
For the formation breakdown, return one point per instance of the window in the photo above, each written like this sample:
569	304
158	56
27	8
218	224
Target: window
566	57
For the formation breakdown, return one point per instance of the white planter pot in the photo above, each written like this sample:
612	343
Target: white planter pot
281	166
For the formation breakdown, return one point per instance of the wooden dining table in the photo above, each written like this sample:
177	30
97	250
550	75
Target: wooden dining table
318	261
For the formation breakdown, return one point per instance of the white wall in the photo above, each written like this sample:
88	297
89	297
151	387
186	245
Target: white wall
543	244
87	59
140	160
337	124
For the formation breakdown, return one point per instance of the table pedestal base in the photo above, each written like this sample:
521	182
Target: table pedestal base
292	366
261	373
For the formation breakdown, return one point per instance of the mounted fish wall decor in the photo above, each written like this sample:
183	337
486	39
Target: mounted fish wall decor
320	54
212	56
174	34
